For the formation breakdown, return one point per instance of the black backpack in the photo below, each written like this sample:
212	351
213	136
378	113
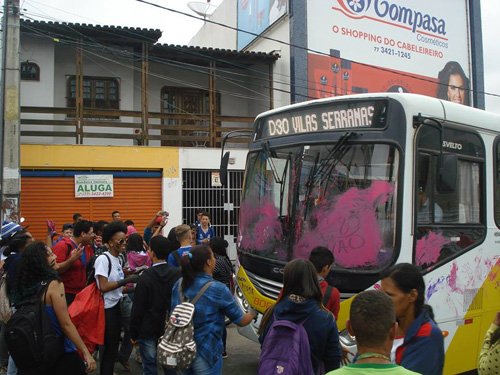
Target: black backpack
91	268
30	336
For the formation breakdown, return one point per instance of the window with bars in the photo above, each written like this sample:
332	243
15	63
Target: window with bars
98	93
222	203
30	71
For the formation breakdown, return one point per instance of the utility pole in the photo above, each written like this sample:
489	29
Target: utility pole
10	124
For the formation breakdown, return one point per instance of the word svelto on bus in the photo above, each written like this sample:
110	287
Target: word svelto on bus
324	117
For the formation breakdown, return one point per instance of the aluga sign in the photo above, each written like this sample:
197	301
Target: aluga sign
93	186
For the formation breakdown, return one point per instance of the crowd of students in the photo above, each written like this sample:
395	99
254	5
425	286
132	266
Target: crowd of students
142	279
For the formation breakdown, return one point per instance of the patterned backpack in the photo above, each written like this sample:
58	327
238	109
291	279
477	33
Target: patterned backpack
177	348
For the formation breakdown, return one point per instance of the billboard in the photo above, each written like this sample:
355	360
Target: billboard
417	46
256	16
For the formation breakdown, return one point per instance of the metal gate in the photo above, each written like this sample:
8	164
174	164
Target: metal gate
222	203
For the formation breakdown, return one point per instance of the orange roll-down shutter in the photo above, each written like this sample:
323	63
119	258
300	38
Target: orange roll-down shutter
53	198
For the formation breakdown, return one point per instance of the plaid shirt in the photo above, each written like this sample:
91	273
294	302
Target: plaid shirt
210	310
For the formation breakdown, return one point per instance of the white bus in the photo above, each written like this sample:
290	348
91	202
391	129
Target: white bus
379	179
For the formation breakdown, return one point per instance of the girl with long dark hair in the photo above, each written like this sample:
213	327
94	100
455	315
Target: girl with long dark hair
422	349
223	272
35	271
197	268
301	301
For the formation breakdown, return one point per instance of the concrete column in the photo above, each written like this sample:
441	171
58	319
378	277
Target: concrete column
11	181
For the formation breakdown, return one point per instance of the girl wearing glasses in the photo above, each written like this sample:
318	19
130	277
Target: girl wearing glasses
110	280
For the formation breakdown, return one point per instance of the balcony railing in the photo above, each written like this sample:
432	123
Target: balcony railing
168	128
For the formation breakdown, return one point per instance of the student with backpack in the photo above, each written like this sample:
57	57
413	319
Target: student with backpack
152	304
110	282
215	302
41	308
322	259
298	335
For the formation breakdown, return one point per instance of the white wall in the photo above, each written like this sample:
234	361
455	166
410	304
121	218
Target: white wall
38	93
281	72
211	35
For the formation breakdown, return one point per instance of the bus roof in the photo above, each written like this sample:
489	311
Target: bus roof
415	103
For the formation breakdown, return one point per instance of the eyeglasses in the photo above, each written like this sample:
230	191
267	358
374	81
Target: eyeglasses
122	241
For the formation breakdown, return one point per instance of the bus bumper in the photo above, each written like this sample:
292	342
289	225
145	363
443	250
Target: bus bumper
249	331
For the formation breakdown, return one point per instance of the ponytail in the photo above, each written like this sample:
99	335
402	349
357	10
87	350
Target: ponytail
193	263
188	273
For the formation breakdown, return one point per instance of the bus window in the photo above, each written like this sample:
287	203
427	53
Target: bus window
448	223
265	204
347	203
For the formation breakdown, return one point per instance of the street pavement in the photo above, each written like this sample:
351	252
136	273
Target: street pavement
243	357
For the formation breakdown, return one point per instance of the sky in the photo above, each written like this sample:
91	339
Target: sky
178	29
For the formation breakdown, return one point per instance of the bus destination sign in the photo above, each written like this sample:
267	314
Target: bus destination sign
320	118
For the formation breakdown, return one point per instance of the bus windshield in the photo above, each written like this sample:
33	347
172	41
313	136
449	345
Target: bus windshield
342	196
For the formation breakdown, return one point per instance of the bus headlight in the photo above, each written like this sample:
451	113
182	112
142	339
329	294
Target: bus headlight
241	298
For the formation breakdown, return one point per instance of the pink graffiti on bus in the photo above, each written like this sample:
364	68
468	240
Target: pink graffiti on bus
260	225
348	226
429	248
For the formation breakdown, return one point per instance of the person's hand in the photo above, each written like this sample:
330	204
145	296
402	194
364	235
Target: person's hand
51	227
134	342
497	319
130	279
89	362
76	253
127	271
254	312
164	221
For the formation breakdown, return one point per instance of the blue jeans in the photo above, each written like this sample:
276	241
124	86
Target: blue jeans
125	346
201	367
147	349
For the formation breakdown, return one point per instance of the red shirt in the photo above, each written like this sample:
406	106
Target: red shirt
75	277
333	303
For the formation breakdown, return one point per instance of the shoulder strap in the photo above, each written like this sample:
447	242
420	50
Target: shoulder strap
327	295
43	291
109	263
201	292
197	297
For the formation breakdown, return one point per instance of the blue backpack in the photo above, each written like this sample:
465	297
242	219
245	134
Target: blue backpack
286	350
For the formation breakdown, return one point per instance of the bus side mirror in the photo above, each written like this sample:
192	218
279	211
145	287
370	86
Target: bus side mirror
223	169
447	173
